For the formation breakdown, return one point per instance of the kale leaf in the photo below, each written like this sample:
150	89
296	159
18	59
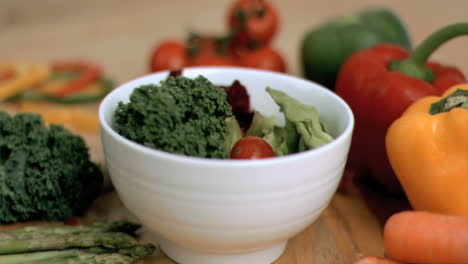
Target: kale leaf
180	115
45	171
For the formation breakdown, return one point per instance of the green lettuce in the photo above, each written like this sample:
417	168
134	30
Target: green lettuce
302	129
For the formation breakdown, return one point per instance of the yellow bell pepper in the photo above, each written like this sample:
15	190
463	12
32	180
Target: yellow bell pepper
428	151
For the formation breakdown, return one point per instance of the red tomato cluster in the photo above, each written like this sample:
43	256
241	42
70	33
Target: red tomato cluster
252	25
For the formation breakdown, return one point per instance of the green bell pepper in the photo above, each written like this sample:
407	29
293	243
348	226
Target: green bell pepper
325	48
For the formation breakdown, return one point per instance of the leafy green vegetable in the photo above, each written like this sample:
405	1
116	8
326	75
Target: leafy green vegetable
180	115
45	172
304	117
261	125
283	140
302	130
193	117
234	133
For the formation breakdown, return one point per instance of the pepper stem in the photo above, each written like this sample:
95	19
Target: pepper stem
414	66
459	98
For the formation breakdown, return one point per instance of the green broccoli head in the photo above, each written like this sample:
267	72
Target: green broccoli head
180	115
45	172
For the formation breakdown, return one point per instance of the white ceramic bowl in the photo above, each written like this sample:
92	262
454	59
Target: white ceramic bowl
209	211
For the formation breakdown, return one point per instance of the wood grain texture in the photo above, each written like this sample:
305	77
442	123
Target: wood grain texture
327	240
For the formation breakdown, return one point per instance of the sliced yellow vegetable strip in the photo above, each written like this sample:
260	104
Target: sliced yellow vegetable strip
25	76
72	117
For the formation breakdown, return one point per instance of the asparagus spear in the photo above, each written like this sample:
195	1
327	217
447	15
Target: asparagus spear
43	241
115	226
38	256
88	255
111	258
138	251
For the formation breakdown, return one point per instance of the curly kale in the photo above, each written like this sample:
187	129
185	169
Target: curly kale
180	115
45	171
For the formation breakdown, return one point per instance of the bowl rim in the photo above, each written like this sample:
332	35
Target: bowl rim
174	157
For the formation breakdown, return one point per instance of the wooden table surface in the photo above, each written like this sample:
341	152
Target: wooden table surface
120	34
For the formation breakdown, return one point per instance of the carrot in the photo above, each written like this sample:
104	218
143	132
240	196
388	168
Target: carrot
429	238
376	260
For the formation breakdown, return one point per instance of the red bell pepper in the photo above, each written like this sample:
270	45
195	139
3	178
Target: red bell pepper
6	75
379	84
89	73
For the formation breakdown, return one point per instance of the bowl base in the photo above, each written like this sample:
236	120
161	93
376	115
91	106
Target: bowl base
186	256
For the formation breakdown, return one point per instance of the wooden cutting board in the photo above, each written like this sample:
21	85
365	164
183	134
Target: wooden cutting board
347	229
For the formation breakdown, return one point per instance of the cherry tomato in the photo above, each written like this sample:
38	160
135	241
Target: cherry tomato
169	55
217	61
257	19
73	221
207	51
200	48
4	76
251	147
265	58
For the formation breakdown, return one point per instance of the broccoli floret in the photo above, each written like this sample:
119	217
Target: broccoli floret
180	115
45	171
